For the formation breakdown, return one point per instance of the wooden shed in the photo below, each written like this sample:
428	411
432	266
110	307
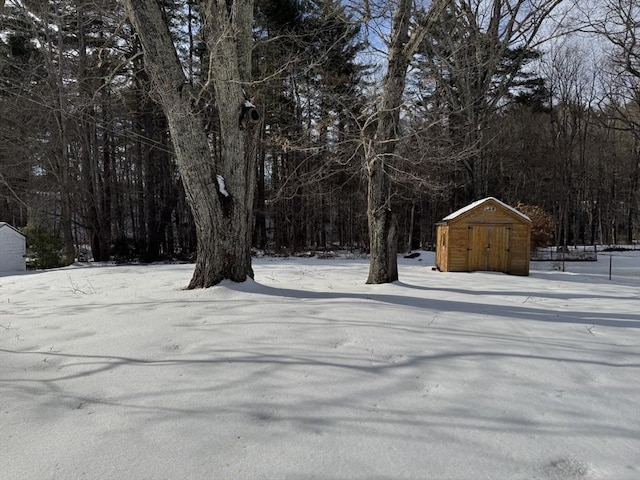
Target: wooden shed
12	249
486	235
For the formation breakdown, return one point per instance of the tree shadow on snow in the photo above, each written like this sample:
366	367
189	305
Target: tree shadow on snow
517	312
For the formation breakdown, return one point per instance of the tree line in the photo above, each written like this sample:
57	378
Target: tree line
162	129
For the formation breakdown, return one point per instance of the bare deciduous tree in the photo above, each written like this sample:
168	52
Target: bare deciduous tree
381	135
617	22
219	187
476	57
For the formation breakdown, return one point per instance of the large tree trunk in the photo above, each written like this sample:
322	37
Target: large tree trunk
383	260
380	148
219	191
381	144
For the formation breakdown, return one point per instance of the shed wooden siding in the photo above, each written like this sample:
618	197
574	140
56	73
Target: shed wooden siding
442	250
487	235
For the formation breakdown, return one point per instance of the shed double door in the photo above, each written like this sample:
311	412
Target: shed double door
488	248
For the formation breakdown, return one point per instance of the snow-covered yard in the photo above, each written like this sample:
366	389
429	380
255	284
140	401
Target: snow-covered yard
116	373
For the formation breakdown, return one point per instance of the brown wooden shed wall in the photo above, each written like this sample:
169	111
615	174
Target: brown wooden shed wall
442	250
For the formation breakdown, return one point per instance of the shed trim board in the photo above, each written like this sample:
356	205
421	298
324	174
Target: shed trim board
12	249
477	203
486	235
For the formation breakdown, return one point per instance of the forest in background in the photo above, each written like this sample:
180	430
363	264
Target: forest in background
86	154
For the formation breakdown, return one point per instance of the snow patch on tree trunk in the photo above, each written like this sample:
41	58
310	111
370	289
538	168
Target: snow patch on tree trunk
221	185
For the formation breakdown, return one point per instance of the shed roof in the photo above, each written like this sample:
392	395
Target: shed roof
5	224
477	203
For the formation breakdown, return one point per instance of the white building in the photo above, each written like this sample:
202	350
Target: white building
13	249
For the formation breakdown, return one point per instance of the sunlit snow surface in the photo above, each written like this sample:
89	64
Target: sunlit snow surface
116	372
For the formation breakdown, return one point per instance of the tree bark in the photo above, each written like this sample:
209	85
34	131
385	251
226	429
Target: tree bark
381	144
219	190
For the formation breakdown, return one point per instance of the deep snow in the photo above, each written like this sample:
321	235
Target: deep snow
116	372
